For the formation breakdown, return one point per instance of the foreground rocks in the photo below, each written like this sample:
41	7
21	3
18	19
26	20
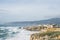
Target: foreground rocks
46	36
47	32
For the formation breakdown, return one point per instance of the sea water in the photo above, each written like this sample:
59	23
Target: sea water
14	33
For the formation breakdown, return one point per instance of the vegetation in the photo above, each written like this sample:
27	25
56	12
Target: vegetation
49	34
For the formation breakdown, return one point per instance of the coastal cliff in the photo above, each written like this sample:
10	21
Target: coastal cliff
47	33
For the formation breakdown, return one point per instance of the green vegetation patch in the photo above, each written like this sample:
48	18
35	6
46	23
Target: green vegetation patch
51	34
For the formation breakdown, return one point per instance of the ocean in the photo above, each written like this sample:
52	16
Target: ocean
14	33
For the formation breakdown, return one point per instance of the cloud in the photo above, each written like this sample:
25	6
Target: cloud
26	10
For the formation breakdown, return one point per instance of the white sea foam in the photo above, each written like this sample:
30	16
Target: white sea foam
21	35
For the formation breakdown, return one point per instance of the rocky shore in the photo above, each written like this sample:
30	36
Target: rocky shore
47	32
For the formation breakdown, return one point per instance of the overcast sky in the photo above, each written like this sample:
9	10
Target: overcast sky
28	10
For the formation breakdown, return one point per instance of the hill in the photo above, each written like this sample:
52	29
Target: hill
28	23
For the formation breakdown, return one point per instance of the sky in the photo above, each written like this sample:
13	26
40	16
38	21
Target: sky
28	10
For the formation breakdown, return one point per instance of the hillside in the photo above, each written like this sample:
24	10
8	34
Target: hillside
28	23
